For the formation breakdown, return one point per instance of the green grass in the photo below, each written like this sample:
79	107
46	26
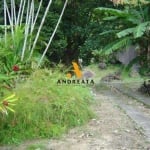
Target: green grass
44	109
126	80
100	73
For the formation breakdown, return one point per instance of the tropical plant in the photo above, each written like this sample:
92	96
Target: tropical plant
6	104
133	27
11	65
26	16
44	109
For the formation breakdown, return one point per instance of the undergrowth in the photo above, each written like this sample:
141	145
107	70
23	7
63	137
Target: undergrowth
44	109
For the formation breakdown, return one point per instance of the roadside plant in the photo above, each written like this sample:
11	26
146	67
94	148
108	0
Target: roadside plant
26	18
11	65
7	103
44	109
131	26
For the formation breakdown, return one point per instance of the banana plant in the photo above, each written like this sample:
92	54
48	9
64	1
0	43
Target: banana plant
133	27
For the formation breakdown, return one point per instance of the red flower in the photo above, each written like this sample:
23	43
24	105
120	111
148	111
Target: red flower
15	68
5	103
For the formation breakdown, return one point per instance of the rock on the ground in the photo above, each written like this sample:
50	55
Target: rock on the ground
102	65
145	88
134	72
88	74
111	77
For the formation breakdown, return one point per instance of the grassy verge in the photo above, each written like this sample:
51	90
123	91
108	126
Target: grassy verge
127	80
100	73
44	109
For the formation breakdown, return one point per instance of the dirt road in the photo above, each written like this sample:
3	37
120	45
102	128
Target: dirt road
111	129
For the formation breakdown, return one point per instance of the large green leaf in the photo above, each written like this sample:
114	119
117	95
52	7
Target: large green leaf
125	32
4	77
116	45
108	32
111	11
110	18
137	31
141	29
109	14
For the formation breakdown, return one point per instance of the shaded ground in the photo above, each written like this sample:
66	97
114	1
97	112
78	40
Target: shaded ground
132	90
112	129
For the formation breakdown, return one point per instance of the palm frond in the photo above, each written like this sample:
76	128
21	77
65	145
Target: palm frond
116	45
110	18
109	14
108	32
141	29
125	32
111	11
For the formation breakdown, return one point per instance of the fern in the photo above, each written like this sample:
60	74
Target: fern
116	45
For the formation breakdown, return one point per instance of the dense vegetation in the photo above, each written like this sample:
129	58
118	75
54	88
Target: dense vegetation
45	109
132	27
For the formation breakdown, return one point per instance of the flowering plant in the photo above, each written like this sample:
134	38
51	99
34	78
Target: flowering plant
6	104
15	68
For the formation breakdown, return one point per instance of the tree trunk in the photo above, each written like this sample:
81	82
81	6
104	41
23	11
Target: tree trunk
148	56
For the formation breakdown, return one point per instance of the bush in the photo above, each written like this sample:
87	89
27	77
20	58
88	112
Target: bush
44	109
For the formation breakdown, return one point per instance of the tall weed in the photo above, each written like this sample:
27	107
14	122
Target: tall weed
44	109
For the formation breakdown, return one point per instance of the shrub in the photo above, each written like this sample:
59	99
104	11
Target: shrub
44	109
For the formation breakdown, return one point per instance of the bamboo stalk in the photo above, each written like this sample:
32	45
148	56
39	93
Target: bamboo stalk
10	20
148	55
19	12
14	12
31	30
21	18
36	16
27	15
32	16
28	22
51	38
5	22
40	27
